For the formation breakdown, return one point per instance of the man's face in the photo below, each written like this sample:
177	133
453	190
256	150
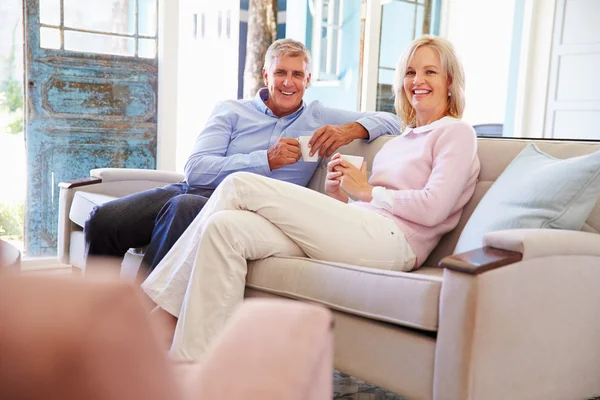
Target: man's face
287	79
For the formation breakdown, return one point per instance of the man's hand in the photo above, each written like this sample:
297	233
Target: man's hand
328	138
285	151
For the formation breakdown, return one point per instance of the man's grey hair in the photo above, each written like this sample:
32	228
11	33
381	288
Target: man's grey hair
286	47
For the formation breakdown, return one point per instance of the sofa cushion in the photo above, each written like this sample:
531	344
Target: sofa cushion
536	191
84	203
407	299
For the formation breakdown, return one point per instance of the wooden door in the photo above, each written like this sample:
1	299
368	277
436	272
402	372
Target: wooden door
91	98
573	105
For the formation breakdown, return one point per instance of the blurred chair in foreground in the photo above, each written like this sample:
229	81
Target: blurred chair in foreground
71	338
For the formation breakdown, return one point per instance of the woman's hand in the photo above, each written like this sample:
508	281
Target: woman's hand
353	180
332	181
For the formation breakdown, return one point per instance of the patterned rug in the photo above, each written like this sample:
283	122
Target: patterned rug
346	387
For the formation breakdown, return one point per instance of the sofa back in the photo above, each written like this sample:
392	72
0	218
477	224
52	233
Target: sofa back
494	154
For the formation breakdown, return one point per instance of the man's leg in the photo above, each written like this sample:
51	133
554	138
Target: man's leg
118	225
172	220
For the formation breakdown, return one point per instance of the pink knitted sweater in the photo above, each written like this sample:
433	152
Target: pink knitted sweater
430	173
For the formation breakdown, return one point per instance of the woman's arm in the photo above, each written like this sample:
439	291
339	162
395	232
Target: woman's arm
453	158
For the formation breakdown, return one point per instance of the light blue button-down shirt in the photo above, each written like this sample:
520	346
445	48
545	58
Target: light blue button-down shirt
239	132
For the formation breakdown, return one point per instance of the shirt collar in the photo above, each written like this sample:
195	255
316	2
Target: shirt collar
428	128
263	95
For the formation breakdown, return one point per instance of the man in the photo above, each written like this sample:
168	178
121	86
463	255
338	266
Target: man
258	135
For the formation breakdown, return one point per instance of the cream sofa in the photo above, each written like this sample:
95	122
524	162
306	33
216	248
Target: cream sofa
518	319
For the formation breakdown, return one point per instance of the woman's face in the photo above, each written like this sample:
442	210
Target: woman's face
426	86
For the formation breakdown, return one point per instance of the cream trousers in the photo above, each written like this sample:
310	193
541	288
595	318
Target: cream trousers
201	280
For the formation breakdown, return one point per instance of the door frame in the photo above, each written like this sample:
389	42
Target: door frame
370	63
372	13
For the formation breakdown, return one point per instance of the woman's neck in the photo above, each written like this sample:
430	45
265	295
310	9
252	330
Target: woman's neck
424	120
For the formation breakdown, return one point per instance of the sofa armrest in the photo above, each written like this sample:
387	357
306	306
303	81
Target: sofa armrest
537	243
79	182
133	174
480	260
115	182
490	323
513	245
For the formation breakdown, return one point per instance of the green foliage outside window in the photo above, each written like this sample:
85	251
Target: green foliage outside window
11	104
11	221
11	93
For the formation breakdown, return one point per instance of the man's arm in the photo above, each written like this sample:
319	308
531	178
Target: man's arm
342	127
208	164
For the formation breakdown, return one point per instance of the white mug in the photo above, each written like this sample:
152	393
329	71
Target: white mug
303	140
357	161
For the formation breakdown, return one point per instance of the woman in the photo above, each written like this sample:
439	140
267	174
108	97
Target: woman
420	182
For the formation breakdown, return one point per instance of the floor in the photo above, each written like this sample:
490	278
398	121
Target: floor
346	387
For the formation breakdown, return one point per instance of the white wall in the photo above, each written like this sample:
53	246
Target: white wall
208	67
295	27
193	74
481	32
536	48
168	62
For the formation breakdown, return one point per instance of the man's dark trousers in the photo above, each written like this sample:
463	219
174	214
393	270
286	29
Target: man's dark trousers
155	218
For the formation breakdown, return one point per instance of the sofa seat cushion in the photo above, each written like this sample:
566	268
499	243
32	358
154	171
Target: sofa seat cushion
407	299
84	203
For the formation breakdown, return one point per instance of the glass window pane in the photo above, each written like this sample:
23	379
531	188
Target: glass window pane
323	60
220	24
112	16
336	17
228	24
49	38
332	62
419	27
147	48
102	44
325	12
50	12
397	26
385	93
147	17
329	39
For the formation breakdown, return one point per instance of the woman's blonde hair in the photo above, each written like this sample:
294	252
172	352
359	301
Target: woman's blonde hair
454	73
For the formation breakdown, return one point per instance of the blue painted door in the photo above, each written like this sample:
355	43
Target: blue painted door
91	98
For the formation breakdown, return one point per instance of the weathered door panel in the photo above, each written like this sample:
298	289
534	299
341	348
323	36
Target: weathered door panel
83	111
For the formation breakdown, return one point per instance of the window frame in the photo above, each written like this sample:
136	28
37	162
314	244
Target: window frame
326	73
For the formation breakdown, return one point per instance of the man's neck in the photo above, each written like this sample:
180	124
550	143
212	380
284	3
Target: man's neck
279	114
